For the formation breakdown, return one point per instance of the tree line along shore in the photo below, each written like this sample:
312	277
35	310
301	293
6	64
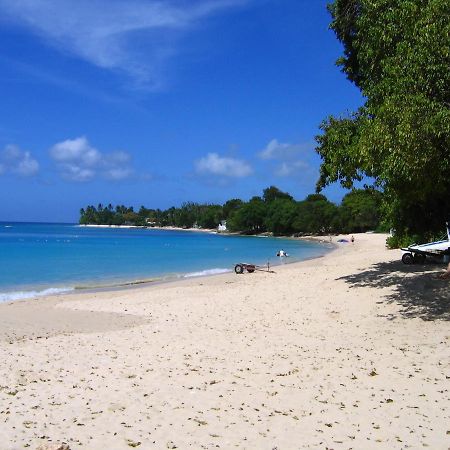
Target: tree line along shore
274	212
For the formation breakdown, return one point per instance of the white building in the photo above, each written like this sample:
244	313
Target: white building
222	226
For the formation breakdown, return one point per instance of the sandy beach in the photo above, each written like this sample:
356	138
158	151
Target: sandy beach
348	351
165	228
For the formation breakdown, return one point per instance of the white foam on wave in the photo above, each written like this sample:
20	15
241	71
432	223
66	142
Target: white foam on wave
206	272
21	295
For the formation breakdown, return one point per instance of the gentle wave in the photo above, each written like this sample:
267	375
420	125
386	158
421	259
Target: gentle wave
206	272
21	295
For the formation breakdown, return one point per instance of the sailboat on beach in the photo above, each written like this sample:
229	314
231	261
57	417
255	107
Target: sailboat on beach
418	253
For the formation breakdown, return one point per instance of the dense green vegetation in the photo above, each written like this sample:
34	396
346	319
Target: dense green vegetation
397	52
274	212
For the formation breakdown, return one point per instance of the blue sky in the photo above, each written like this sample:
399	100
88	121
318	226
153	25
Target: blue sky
159	102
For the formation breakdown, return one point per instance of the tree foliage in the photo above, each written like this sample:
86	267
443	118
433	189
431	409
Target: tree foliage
273	193
276	212
250	217
397	52
360	211
316	215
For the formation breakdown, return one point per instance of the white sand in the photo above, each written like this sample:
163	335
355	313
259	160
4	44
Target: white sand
331	353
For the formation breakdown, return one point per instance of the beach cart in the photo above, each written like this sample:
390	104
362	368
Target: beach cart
250	268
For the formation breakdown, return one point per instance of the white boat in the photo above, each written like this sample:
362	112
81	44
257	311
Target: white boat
417	253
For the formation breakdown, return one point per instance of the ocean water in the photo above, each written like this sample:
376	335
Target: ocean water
41	259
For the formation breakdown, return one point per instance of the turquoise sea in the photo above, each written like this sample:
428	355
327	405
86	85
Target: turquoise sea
45	258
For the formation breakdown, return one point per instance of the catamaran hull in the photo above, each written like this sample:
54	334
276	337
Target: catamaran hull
418	253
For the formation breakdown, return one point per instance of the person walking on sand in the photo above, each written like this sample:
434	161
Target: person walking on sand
353	239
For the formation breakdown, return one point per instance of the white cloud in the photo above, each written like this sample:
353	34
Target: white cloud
131	36
77	160
27	166
75	151
279	150
290	159
287	169
77	173
213	164
17	161
118	173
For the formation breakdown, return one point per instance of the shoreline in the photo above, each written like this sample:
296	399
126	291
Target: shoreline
320	238
37	291
60	291
144	227
133	287
345	351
